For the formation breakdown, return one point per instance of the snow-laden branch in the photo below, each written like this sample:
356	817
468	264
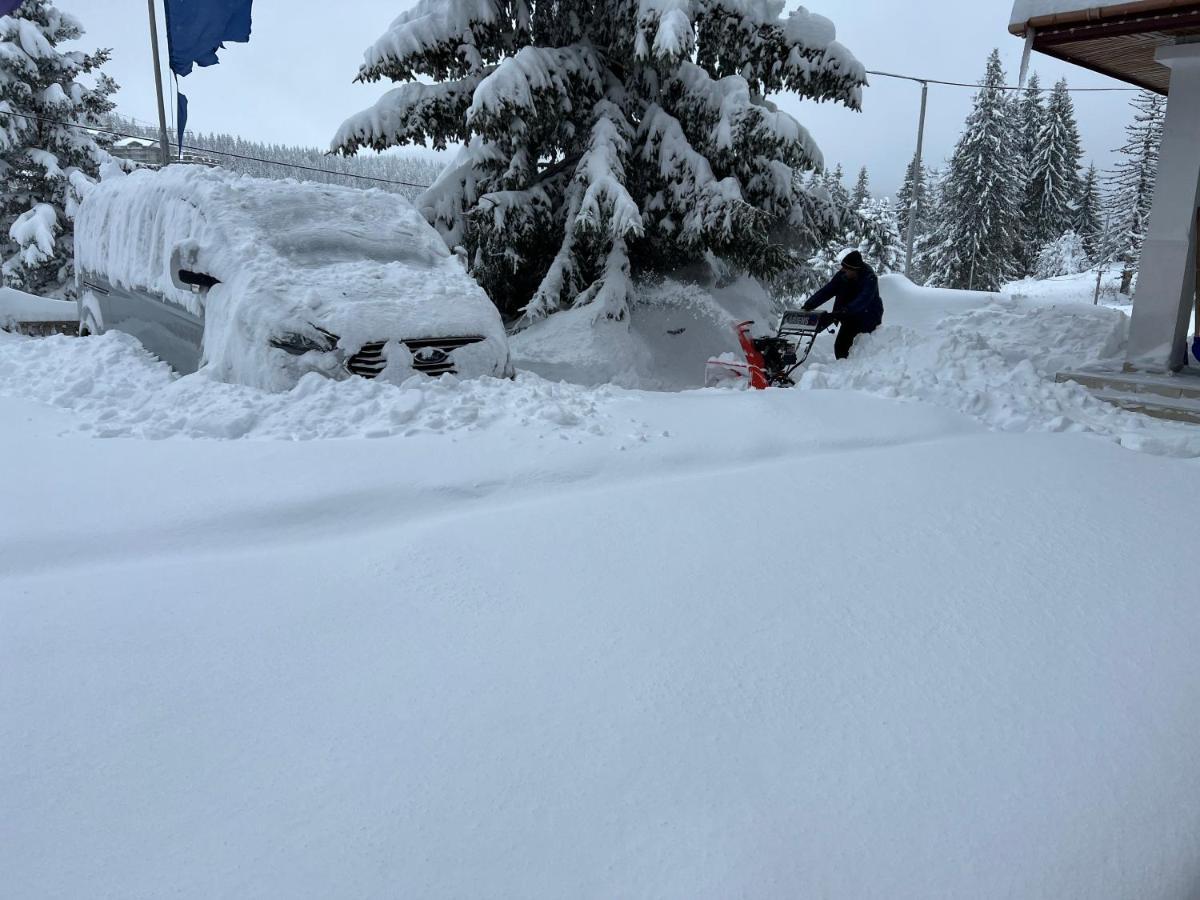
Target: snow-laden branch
606	206
534	98
800	53
446	39
664	30
413	113
696	199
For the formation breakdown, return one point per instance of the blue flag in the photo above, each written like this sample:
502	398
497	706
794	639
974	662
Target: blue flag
7	6
197	29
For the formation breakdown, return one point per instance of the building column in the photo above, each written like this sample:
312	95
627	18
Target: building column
1167	274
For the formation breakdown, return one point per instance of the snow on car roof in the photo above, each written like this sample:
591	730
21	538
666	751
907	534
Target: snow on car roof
357	262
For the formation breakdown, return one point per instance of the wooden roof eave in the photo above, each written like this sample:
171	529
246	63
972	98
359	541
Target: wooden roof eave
1096	14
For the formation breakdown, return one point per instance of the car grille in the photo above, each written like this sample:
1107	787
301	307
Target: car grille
431	356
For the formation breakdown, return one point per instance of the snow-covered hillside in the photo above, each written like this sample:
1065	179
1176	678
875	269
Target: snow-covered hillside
887	635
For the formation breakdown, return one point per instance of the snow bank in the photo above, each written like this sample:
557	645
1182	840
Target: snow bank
361	264
998	364
922	308
674	328
117	389
17	306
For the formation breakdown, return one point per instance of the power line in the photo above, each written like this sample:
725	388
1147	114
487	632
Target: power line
960	84
241	156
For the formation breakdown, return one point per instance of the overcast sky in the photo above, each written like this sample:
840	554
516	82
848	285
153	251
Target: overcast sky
293	83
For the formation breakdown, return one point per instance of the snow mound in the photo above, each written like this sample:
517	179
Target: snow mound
674	328
118	390
17	306
998	364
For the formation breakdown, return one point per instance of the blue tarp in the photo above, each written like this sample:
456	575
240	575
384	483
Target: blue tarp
197	29
7	6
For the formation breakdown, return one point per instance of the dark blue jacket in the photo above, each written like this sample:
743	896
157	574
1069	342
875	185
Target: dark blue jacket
857	300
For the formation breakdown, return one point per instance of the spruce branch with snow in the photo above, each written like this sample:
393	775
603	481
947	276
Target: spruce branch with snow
45	166
605	138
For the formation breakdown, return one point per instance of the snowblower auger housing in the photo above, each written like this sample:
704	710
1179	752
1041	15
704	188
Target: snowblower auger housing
769	361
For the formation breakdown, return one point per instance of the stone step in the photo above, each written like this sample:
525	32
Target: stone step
1185	385
1164	396
1180	410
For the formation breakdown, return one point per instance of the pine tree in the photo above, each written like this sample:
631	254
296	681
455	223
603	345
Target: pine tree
926	250
603	138
835	183
881	243
979	228
1132	182
1054	183
44	165
1028	124
1088	224
904	196
862	190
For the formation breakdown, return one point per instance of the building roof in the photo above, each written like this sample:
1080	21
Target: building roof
1115	39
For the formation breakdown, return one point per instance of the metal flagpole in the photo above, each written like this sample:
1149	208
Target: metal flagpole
914	201
164	144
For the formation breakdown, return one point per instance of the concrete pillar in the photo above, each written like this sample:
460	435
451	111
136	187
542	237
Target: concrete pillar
1166	278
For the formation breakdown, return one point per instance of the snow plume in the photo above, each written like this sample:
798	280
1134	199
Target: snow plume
638	134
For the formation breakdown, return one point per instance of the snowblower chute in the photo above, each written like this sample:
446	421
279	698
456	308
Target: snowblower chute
769	361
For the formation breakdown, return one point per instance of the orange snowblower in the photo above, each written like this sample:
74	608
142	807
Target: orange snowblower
769	361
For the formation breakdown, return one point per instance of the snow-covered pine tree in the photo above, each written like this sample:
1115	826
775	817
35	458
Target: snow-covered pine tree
1088	217
1063	256
1131	184
979	228
605	137
881	243
1054	185
926	251
862	190
1027	125
44	165
835	183
905	195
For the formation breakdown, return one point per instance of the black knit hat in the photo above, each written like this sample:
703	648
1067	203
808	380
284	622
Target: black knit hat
853	260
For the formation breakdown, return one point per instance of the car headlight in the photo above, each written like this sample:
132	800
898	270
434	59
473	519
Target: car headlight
299	343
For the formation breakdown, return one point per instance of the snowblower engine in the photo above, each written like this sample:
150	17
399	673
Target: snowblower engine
769	361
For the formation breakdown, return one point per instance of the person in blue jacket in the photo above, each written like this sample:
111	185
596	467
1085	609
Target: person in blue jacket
857	306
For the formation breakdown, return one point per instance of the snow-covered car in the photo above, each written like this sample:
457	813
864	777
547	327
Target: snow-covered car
263	281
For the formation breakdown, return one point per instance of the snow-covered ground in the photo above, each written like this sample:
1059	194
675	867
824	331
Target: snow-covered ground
889	635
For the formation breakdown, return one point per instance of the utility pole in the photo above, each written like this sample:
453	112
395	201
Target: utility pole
914	201
164	144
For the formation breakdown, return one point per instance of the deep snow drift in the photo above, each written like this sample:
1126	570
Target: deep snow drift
554	641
